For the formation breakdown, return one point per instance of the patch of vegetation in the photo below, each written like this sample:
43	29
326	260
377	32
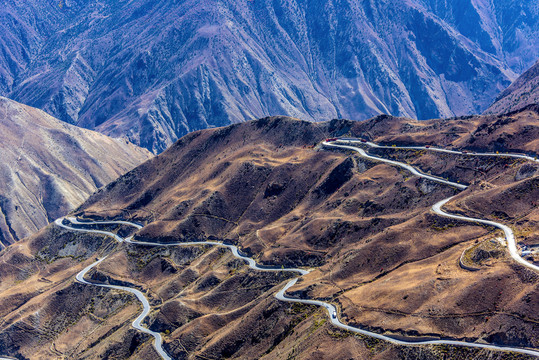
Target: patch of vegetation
442	352
142	256
318	321
69	244
480	253
341	334
302	311
444	227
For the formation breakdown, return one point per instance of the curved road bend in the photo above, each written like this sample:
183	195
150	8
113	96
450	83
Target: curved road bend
448	151
75	221
332	311
410	168
102	232
509	235
137	323
437	208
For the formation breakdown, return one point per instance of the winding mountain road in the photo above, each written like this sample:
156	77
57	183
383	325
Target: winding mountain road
332	311
509	235
137	323
437	149
437	208
410	168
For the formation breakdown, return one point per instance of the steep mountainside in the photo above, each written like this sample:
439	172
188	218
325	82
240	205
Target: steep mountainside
48	167
156	70
521	93
364	228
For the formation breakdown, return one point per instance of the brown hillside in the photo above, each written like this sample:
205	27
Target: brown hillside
365	228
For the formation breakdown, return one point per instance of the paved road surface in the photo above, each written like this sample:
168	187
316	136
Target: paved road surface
410	168
332	311
437	208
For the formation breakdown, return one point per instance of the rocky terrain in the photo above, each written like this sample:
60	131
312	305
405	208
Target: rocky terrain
364	227
155	70
48	167
523	92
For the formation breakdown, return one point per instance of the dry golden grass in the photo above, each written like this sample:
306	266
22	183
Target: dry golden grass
366	228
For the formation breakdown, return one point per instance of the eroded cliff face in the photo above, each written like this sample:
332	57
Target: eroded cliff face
48	167
154	71
523	92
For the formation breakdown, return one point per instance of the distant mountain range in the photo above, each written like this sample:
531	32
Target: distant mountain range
48	167
156	70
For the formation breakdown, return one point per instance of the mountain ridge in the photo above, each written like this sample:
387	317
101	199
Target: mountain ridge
207	66
49	167
522	93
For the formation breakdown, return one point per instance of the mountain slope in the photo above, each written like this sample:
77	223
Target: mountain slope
49	167
364	228
156	70
522	92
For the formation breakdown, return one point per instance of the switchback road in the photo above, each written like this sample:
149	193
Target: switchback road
332	310
437	208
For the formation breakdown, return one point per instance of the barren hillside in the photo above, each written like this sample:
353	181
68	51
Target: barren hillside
48	167
523	92
365	229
